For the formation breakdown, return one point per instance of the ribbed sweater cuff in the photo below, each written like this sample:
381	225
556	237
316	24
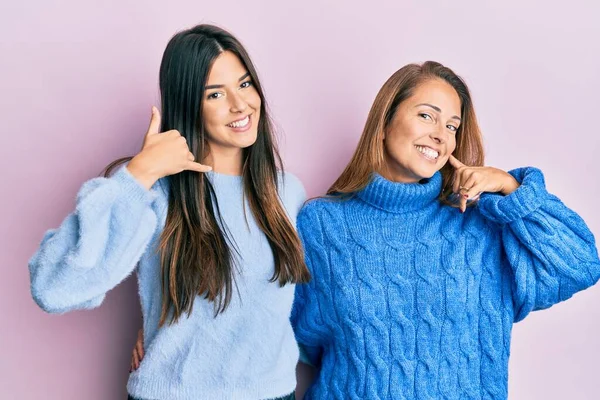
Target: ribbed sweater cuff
132	189
526	199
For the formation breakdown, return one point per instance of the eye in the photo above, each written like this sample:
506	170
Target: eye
425	116
246	84
215	95
452	128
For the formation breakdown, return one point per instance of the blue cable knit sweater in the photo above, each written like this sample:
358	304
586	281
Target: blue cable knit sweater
411	299
248	352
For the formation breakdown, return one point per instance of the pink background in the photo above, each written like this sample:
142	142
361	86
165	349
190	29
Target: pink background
78	78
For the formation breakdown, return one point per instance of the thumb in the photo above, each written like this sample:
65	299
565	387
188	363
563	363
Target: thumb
154	127
454	162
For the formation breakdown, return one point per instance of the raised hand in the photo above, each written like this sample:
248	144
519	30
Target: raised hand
162	154
470	182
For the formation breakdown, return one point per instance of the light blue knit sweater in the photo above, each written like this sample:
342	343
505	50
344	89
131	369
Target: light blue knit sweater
248	352
411	299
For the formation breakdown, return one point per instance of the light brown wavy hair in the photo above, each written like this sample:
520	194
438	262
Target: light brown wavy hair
369	154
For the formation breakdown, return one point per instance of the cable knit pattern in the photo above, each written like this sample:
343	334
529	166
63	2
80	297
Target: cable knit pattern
411	299
247	352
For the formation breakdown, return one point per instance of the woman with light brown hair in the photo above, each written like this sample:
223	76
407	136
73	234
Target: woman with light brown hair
422	258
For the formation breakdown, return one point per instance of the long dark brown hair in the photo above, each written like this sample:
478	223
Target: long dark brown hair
369	154
196	251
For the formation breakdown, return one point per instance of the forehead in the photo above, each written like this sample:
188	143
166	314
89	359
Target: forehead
438	93
226	68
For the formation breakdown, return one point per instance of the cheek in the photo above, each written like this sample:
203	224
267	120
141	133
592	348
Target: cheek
397	143
213	117
207	115
452	144
397	149
406	132
254	101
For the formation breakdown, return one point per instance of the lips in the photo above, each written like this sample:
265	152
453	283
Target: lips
240	123
428	152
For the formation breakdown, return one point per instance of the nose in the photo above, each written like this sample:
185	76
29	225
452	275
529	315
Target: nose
438	135
238	104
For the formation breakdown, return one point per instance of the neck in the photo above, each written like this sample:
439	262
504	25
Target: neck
399	197
398	178
225	162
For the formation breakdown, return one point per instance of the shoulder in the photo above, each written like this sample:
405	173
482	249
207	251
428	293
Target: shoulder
321	213
291	185
291	192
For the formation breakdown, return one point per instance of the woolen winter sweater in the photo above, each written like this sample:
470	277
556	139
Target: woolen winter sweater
247	352
411	299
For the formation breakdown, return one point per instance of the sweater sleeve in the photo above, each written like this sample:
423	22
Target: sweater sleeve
550	249
307	318
96	246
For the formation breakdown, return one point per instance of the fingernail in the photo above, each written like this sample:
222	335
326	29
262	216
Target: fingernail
466	196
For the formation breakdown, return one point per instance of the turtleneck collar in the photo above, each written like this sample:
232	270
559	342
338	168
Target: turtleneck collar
401	197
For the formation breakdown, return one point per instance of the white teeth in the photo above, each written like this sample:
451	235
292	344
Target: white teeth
428	152
240	124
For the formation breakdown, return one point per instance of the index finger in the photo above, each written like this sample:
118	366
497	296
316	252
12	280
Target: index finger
454	162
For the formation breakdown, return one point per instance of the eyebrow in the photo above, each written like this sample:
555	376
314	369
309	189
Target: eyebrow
437	109
247	74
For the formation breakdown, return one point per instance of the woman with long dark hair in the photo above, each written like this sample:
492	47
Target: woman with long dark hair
422	258
216	253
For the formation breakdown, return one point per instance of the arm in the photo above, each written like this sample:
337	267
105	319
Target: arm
100	243
96	247
550	250
311	332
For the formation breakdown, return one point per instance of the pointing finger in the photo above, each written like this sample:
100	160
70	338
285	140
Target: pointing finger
455	163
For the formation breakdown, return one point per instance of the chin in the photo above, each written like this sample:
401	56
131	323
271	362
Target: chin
242	144
425	173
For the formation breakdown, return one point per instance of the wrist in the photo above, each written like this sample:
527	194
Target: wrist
510	186
144	175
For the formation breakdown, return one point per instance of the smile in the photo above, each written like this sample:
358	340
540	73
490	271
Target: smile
428	152
240	123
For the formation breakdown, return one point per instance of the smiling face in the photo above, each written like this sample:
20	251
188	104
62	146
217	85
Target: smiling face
422	135
231	108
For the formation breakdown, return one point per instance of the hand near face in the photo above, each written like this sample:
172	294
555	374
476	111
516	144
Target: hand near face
162	154
470	182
